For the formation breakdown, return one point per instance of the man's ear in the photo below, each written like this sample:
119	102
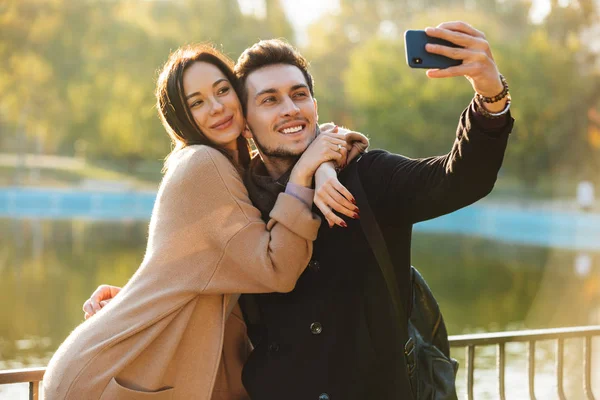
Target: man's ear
247	133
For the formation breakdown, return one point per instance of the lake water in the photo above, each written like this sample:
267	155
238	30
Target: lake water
491	269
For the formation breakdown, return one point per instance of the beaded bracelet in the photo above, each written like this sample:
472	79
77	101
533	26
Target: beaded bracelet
485	113
498	97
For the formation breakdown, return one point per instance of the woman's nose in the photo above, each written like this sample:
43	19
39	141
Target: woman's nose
216	107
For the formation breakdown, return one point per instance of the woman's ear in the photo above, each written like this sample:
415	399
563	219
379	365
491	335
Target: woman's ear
247	133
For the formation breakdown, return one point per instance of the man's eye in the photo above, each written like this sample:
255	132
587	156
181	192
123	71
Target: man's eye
300	94
268	100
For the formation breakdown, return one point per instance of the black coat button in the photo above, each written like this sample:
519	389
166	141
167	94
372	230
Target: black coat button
273	347
314	265
316	328
323	396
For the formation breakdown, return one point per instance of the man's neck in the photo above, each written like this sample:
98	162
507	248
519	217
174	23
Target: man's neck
277	166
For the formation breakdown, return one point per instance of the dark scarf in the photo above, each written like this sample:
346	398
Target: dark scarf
262	189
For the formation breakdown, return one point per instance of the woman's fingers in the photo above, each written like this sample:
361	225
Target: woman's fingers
103	292
337	186
333	196
337	202
329	215
88	309
343	152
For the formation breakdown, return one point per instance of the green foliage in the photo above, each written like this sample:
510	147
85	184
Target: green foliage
403	111
77	77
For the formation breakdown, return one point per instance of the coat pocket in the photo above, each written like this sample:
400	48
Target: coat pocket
116	391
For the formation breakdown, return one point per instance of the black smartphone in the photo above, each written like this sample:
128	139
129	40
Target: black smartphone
418	57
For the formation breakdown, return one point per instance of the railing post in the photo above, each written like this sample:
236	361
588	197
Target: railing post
560	346
34	390
470	370
531	369
587	368
501	361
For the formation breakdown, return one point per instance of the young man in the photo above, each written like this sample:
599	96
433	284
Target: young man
333	336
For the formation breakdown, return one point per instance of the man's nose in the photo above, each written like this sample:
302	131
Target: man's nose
290	108
216	107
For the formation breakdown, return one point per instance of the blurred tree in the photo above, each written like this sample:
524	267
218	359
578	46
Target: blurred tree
367	84
277	21
84	72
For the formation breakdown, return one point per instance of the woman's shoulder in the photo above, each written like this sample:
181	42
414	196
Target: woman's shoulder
199	157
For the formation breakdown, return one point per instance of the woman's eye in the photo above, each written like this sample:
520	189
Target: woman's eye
196	103
223	90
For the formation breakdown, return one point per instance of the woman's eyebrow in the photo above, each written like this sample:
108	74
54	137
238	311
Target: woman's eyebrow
189	96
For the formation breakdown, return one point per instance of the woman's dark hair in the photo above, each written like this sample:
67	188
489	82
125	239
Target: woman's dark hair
173	109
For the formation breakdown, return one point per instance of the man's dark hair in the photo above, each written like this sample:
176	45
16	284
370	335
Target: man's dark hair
265	53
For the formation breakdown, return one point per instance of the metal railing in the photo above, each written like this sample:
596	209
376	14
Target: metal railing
531	337
34	376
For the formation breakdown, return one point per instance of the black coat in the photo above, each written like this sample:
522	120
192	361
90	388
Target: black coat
332	337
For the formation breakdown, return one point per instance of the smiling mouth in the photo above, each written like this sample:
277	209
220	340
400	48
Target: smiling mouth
292	129
223	124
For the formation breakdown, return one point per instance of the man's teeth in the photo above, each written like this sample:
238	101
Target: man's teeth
292	130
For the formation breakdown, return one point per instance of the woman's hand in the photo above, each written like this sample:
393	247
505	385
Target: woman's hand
101	297
327	146
357	143
331	195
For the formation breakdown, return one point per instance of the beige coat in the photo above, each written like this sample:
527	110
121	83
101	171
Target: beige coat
167	335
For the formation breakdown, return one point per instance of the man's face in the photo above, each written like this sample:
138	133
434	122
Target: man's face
282	114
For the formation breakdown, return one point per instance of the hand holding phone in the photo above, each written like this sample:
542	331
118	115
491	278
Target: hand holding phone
418	57
466	53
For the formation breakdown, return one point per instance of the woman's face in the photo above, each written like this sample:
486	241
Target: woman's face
214	104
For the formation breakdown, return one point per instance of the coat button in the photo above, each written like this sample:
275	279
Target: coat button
316	328
323	396
273	347
314	265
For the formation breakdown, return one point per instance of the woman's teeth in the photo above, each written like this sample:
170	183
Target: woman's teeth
292	130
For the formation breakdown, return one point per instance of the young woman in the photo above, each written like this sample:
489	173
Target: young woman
175	330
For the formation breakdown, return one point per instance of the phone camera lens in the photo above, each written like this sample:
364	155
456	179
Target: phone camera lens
417	60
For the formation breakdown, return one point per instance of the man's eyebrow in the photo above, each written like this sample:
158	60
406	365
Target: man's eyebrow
300	86
189	96
272	90
265	91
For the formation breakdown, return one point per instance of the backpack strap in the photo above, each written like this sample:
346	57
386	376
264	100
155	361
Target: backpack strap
377	243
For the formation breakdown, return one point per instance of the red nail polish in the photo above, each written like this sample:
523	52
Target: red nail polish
343	224
356	216
357	210
353	201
